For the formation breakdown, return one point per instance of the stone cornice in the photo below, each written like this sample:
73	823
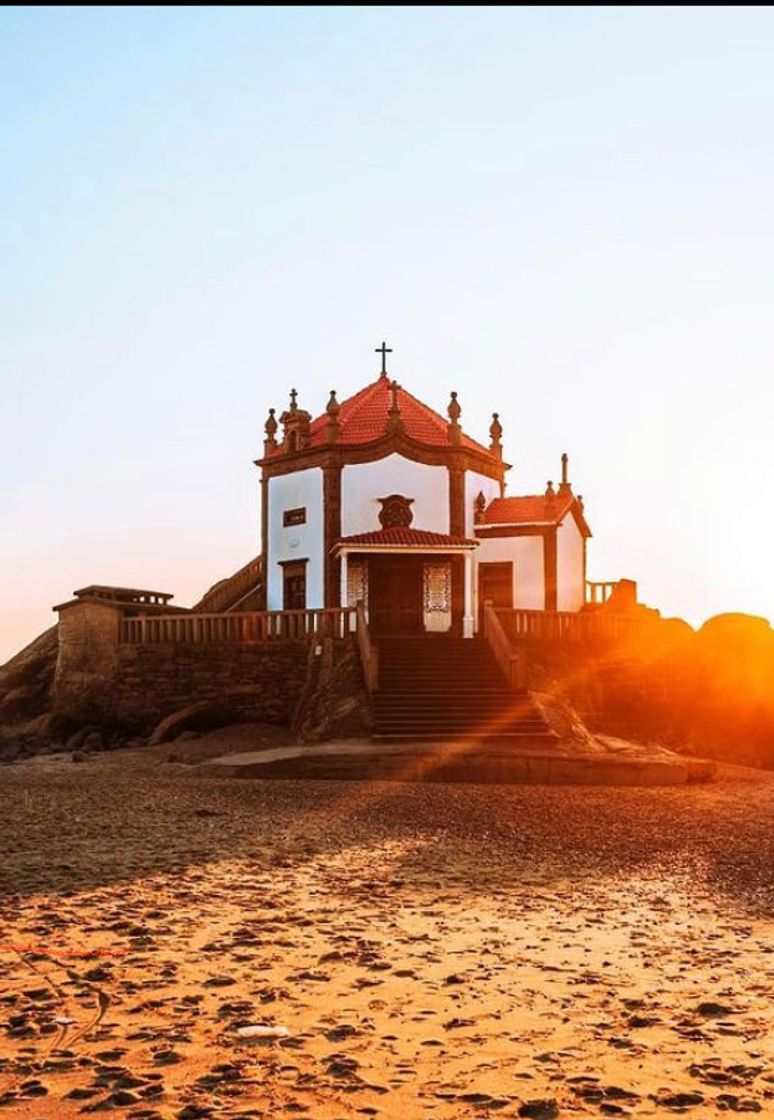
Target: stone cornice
340	455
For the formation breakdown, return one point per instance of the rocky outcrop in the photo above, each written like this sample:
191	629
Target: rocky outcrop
27	724
708	692
333	703
203	716
27	679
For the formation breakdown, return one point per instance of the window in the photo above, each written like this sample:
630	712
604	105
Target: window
294	516
294	585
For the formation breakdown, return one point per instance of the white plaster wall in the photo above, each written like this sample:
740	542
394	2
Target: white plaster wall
526	554
296	542
475	483
569	566
362	484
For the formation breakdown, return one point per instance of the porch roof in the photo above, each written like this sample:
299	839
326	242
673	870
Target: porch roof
402	538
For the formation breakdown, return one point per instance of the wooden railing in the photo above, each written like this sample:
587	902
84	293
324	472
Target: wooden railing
599	591
566	626
229	591
369	654
620	593
254	626
510	662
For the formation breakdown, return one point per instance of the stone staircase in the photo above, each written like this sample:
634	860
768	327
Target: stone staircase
242	591
438	688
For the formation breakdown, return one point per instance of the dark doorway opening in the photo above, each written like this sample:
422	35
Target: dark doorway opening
495	582
294	586
395	594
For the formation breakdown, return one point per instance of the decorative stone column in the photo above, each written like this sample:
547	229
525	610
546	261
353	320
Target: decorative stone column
468	620
344	579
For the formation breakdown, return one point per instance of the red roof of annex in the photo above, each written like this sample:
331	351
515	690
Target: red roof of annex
531	509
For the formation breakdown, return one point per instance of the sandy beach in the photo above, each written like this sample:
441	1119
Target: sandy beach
408	950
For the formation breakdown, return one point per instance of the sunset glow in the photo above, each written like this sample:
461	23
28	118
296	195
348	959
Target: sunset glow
386	673
561	215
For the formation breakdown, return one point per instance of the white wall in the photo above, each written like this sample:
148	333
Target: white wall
296	542
526	553
474	483
362	484
571	591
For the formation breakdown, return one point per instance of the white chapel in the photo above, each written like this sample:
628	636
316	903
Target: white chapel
382	499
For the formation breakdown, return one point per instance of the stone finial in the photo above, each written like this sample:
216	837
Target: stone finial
394	420
579	500
333	408
479	506
564	485
294	400
550	496
270	427
454	411
496	434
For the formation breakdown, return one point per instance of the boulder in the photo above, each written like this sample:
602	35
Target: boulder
92	742
20	702
11	749
203	716
49	726
77	739
27	679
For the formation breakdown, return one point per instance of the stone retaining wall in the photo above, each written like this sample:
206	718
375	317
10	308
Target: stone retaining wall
256	682
103	681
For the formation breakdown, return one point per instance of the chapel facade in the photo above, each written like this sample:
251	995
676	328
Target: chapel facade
380	499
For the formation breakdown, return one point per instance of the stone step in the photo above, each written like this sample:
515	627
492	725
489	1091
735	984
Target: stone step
544	738
448	725
447	689
453	719
426	696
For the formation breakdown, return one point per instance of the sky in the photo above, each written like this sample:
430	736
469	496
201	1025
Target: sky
563	214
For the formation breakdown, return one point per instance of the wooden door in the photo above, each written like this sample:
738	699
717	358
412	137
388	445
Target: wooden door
395	594
495	582
294	586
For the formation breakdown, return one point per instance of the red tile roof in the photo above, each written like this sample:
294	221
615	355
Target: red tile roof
531	509
363	418
403	536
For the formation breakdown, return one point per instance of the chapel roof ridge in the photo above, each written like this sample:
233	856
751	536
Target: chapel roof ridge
362	417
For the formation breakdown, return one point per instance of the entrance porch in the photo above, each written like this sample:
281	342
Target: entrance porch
425	587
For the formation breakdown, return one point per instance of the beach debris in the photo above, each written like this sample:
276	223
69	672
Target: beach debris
261	1030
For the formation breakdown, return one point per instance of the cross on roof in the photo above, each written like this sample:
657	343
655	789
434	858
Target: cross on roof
384	350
